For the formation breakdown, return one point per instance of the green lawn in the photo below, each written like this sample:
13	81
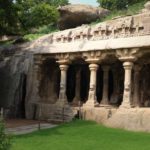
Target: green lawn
82	135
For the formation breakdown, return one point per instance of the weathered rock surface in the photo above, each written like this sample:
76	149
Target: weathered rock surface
15	71
75	15
135	119
146	7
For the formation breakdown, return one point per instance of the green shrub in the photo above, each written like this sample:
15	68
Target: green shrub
44	14
5	140
118	4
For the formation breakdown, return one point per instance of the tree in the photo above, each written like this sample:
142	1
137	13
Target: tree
54	2
23	15
117	4
8	17
43	14
35	13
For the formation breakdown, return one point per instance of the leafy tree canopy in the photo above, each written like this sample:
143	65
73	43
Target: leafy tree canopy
117	4
23	15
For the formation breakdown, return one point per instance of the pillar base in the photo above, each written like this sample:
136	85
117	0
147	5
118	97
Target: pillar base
62	102
105	105
127	106
90	103
75	102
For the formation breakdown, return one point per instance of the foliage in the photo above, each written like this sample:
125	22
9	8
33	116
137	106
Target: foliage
82	135
5	140
44	14
54	2
131	10
33	14
118	4
8	20
22	16
40	32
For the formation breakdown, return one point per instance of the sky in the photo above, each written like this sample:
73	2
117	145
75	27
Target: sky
89	2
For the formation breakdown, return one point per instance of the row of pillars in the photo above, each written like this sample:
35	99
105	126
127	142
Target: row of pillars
92	100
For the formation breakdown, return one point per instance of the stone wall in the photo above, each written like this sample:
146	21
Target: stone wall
134	119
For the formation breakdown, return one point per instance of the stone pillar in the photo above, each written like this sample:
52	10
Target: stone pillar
36	82
136	94
92	100
127	85
77	88
115	95
63	84
105	100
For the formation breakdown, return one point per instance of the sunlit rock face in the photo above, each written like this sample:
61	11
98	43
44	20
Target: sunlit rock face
75	15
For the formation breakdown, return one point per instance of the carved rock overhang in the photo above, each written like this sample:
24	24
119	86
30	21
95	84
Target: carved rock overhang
122	33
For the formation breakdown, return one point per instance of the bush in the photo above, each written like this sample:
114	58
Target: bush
118	4
44	14
5	140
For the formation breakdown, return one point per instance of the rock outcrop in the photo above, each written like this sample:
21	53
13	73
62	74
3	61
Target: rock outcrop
15	73
75	15
146	7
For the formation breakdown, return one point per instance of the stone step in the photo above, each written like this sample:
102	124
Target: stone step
61	115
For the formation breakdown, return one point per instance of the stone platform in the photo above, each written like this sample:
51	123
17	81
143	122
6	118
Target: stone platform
134	119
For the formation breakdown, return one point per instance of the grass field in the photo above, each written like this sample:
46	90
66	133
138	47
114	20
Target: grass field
82	135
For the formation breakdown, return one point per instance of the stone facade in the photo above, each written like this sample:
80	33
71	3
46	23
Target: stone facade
102	70
115	54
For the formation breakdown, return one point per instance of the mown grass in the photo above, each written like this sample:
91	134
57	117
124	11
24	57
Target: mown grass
82	135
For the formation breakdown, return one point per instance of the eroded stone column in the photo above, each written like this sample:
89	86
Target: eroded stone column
136	94
77	88
127	85
115	95
105	100
63	84
92	100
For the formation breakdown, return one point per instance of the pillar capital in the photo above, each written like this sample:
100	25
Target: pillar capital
126	54
63	67
93	67
92	57
63	61
128	65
